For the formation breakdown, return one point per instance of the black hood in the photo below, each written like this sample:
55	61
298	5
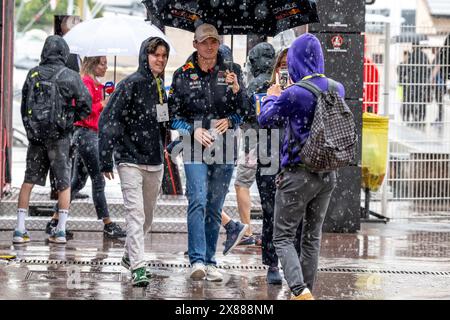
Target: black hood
261	57
55	51
144	68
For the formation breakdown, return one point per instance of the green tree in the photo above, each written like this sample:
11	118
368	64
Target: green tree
31	9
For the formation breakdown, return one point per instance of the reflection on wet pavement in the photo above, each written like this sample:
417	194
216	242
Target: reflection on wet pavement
407	260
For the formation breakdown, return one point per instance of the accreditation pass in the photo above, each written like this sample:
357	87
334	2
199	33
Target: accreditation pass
162	112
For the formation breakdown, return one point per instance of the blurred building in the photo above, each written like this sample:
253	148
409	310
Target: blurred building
433	14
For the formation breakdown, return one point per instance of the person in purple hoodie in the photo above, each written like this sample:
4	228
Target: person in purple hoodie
302	195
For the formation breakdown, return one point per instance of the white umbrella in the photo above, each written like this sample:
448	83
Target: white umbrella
115	36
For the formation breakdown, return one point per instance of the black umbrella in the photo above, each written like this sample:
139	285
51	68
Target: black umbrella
232	16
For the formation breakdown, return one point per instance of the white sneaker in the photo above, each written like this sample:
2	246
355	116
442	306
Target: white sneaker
20	237
198	271
213	274
58	237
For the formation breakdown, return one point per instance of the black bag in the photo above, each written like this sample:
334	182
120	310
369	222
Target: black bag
45	118
332	139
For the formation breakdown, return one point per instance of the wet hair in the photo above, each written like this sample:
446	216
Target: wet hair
88	65
280	56
154	43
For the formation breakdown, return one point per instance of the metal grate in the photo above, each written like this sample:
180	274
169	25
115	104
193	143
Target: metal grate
113	263
382	271
232	267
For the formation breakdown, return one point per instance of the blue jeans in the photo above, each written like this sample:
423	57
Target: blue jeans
206	188
87	163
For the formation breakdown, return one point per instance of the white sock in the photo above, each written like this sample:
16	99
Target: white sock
21	215
63	214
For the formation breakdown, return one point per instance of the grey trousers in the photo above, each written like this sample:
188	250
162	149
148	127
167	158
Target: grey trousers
140	190
301	196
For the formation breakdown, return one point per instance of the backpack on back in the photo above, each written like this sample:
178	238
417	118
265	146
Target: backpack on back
332	140
45	117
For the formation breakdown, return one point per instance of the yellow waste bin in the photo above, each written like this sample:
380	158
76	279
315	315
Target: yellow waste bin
374	150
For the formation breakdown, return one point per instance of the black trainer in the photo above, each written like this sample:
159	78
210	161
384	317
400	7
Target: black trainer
50	229
113	231
235	232
80	196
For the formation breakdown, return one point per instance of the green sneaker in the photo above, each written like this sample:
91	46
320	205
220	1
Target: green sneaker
125	262
140	277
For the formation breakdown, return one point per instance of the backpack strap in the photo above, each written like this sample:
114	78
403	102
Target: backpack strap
332	85
308	85
57	74
54	76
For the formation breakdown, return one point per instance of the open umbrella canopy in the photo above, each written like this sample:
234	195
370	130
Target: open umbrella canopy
266	17
112	36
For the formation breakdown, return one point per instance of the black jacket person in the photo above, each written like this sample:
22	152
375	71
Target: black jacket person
128	125
415	76
53	96
206	89
131	126
261	57
73	94
197	97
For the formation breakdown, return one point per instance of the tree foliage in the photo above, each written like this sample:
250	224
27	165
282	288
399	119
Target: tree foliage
32	8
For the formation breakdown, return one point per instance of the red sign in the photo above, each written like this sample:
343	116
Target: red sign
337	41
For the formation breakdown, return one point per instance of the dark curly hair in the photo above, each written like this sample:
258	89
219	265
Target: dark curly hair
154	43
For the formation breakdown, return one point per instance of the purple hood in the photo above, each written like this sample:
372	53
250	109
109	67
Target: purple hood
305	57
294	109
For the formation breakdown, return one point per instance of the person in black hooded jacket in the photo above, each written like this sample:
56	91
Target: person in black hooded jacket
52	151
132	128
261	59
415	76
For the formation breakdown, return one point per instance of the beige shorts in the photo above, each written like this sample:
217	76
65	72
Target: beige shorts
246	169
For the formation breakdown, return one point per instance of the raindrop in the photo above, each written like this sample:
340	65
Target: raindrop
261	11
214	3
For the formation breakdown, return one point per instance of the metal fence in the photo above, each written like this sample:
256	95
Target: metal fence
407	78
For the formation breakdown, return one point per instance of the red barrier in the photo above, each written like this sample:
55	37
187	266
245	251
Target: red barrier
6	88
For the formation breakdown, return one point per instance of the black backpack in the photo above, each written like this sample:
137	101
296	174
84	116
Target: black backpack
45	118
332	139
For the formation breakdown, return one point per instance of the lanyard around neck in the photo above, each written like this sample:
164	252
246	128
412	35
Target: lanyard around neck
313	76
158	84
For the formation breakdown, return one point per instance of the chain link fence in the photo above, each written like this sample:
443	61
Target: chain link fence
406	77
